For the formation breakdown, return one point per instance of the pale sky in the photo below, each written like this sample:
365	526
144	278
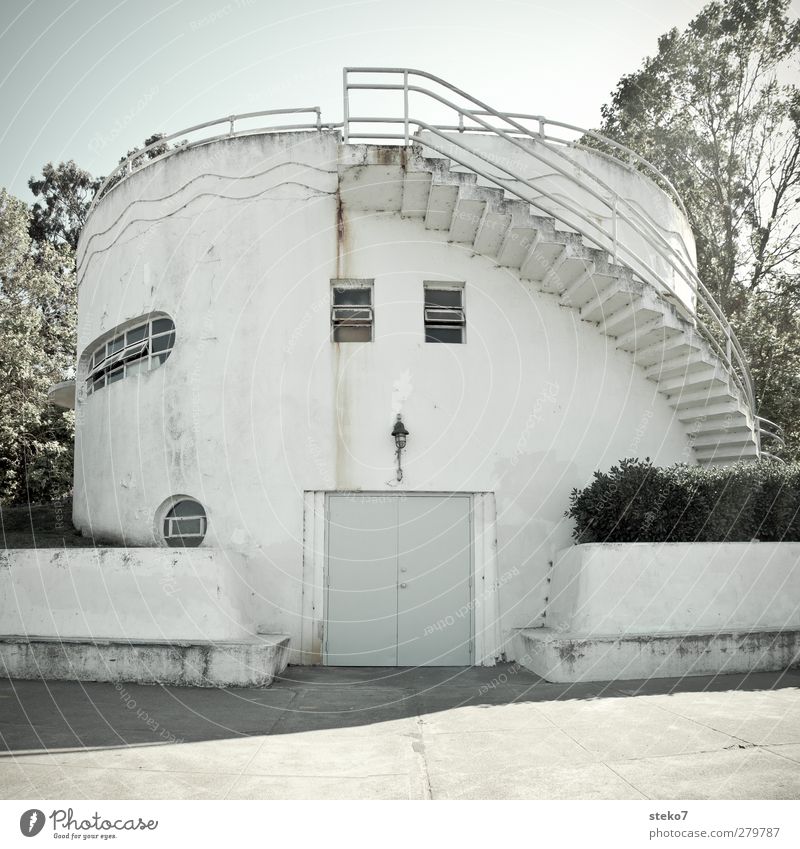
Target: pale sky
89	79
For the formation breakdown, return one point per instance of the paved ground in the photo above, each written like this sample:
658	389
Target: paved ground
428	733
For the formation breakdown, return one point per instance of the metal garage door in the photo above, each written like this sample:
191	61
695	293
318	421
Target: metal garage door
398	580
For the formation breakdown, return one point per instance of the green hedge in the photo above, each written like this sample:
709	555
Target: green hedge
636	501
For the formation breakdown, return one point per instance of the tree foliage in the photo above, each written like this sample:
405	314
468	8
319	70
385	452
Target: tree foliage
138	161
718	112
37	329
66	193
38	307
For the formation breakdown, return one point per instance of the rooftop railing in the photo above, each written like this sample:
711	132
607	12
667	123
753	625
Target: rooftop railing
141	158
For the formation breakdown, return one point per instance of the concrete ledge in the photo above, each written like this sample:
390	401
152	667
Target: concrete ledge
564	658
252	663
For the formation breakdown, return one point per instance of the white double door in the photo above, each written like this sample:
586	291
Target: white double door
398	580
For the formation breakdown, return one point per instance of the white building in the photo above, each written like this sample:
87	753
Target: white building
258	305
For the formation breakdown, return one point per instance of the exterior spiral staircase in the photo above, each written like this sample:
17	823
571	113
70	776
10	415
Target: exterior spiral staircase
396	160
661	339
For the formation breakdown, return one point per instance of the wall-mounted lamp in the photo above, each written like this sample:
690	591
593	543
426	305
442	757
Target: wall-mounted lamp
399	433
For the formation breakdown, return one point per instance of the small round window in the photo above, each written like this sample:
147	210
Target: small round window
185	523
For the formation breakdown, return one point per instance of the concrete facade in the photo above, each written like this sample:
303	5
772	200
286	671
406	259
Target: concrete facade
238	241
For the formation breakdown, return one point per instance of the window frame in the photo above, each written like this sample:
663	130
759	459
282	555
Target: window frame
338	321
449	317
118	353
175	539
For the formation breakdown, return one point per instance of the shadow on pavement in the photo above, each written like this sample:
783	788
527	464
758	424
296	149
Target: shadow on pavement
50	715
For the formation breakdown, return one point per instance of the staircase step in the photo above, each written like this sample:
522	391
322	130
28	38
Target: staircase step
714	394
637	313
516	242
682	364
491	231
466	220
727	452
611	301
724	428
416	188
373	187
586	274
647	333
724	410
668	347
713	440
442	200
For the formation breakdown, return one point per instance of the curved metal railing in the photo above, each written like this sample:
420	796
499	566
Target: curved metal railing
770	430
475	116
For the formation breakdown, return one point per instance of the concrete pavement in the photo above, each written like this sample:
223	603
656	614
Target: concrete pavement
485	733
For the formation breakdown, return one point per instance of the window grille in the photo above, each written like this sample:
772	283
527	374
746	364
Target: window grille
445	320
352	316
185	524
140	348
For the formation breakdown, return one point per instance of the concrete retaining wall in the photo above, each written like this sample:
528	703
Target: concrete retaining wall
119	593
669	588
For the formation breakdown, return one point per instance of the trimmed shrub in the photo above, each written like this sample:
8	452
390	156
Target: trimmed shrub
636	501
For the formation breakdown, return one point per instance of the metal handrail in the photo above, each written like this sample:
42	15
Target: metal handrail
728	348
771	430
631	156
126	166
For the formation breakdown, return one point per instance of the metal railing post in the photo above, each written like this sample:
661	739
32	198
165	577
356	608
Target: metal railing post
231	119
614	229
345	108
405	104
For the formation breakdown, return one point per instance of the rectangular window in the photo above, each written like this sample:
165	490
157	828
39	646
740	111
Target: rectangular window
444	313
351	310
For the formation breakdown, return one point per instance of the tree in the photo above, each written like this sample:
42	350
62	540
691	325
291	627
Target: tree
138	161
66	192
717	112
37	338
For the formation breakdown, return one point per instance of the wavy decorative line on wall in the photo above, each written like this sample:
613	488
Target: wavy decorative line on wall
315	192
184	186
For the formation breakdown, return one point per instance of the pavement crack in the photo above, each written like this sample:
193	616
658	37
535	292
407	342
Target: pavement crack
267	735
418	748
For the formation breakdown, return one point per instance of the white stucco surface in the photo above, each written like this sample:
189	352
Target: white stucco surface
683	588
117	593
238	241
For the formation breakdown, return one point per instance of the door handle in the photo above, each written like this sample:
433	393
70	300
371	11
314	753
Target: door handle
403	586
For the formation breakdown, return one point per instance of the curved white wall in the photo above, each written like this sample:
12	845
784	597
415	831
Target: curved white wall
237	241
